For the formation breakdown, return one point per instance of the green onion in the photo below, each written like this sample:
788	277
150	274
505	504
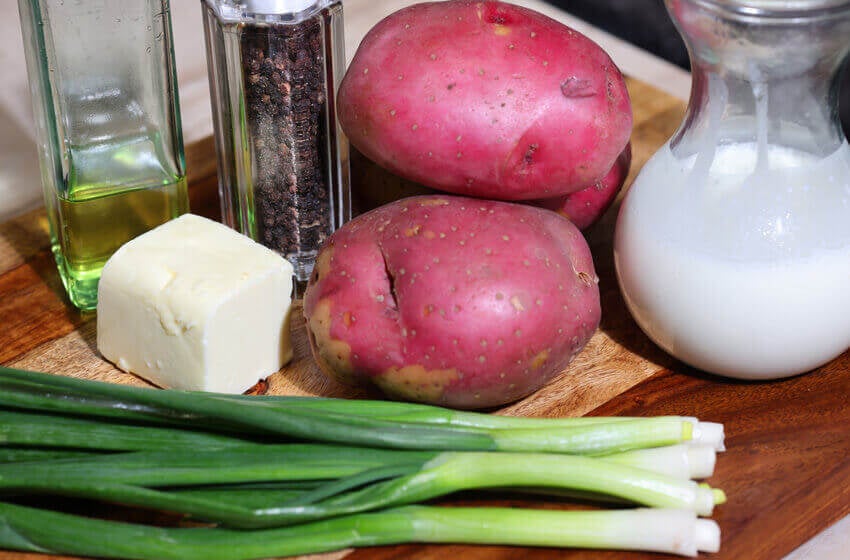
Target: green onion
186	467
51	393
659	530
29	436
704	433
397	478
27	454
46	430
311	475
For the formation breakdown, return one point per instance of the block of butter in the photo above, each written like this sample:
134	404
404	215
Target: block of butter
194	305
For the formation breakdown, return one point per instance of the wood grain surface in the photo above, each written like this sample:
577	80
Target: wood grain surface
787	468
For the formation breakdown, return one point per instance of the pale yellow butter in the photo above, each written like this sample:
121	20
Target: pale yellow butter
194	305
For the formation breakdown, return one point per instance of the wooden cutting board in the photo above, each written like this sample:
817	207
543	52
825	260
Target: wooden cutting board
787	468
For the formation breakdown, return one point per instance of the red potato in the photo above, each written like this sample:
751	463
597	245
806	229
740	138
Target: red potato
451	300
485	99
373	185
585	207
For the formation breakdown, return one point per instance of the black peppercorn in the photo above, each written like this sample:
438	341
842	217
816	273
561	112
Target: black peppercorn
283	160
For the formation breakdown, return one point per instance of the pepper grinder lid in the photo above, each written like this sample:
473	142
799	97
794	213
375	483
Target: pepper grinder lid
240	9
279	6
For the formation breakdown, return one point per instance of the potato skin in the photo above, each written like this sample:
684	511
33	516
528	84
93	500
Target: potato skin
585	207
452	301
373	185
485	99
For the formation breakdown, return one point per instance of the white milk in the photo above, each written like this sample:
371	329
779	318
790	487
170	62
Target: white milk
740	264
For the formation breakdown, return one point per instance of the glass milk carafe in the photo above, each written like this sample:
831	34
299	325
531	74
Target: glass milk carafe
732	247
108	126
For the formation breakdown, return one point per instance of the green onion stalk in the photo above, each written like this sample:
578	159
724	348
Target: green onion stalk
704	433
359	480
25	429
34	436
659	530
51	394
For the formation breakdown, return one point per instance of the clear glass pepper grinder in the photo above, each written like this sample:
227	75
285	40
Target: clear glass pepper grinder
732	247
274	67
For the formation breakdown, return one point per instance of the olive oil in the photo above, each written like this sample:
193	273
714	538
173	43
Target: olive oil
90	229
105	102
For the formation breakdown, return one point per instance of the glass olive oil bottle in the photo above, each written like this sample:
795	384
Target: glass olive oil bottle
108	121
